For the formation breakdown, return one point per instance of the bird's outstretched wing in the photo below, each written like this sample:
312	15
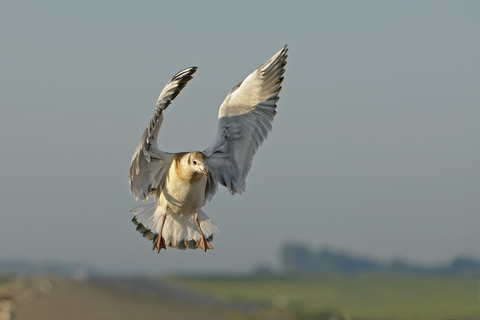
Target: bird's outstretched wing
149	165
244	120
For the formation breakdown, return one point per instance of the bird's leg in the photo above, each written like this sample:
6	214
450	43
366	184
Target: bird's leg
159	242
202	243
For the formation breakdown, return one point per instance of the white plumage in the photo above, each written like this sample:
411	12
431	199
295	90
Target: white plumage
182	182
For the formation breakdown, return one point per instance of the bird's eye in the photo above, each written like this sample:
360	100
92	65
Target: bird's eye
194	161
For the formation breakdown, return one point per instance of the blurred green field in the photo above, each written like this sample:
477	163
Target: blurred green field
355	296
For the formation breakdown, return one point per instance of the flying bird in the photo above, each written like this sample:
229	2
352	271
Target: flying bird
181	183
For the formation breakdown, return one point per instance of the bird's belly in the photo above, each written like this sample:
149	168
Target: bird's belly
183	198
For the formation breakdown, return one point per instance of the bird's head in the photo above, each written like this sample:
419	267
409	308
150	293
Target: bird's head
197	162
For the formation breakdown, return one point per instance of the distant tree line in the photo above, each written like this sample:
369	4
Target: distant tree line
298	258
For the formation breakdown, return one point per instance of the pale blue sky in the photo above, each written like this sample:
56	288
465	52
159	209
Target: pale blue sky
374	150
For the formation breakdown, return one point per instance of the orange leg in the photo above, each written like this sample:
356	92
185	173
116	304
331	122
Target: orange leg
202	243
159	242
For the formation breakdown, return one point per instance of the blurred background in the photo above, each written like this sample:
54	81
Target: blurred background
371	167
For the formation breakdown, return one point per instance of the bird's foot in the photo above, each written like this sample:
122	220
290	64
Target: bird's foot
159	244
204	244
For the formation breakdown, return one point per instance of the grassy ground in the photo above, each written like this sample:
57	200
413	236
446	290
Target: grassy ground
355	296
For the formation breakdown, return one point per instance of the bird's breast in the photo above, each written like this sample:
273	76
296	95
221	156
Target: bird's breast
181	196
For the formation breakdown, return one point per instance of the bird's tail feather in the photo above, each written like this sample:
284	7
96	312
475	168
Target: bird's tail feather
179	231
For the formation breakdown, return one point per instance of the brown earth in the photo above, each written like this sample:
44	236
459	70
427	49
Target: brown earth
43	298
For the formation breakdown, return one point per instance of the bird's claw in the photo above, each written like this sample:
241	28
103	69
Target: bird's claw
204	244
159	244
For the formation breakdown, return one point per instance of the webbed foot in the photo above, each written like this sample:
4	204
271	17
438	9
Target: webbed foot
202	243
159	242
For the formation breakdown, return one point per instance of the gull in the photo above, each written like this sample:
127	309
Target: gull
181	183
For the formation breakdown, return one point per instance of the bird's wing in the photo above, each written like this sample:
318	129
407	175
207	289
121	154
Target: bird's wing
149	165
244	120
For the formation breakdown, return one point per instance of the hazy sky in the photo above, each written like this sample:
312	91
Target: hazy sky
374	150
